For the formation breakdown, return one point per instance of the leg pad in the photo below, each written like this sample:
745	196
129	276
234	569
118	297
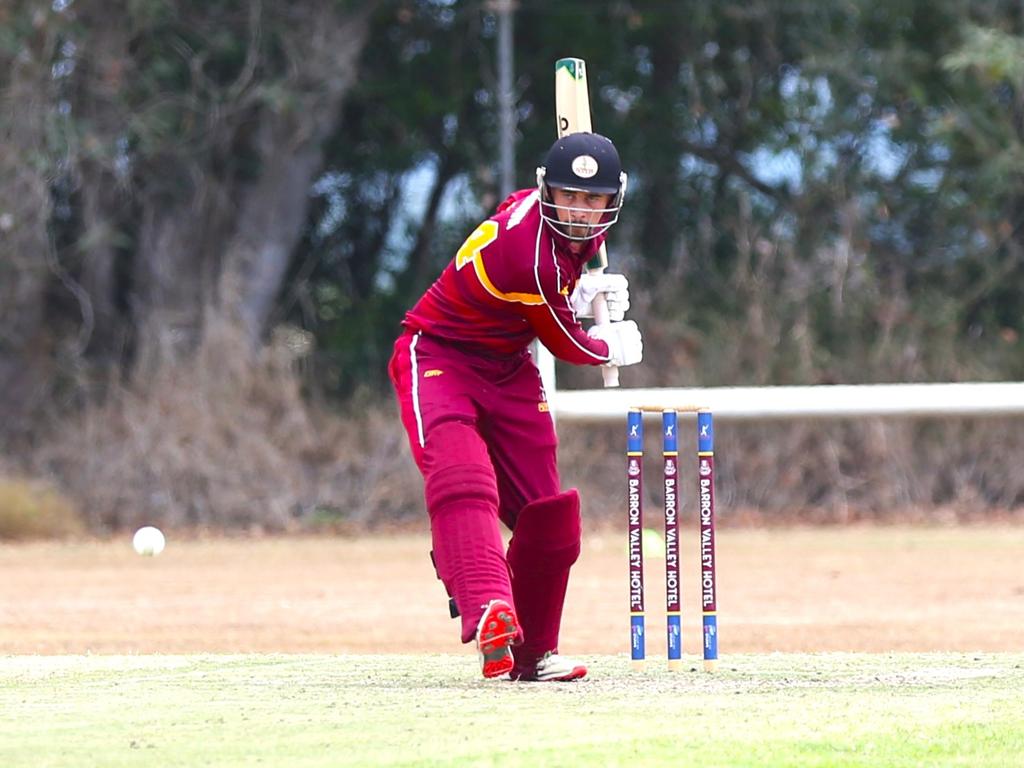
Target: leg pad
545	544
462	499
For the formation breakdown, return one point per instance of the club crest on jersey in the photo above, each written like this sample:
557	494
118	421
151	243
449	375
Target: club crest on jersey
584	166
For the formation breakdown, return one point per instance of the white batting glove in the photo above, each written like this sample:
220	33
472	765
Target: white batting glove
614	287
625	345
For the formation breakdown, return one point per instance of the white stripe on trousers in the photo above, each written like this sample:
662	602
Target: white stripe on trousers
416	390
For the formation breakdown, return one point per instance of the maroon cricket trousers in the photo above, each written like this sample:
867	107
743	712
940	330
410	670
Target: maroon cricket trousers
483	439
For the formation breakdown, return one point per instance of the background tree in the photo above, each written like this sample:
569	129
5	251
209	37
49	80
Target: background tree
196	193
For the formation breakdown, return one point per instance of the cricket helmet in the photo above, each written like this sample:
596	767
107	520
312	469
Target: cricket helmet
582	162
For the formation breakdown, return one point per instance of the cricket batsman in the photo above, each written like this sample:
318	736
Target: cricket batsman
475	411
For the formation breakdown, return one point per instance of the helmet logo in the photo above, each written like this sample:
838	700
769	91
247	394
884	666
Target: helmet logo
584	166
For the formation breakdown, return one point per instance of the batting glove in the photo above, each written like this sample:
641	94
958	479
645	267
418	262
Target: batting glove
625	345
614	287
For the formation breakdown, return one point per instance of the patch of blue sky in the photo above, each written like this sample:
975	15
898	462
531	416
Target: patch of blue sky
707	131
621	100
927	178
411	207
696	167
457	202
330	186
810	98
776	167
883	156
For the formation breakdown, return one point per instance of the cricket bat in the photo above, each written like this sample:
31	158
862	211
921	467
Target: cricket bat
572	113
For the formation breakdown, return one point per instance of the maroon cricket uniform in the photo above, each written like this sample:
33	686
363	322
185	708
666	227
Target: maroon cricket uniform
474	408
508	284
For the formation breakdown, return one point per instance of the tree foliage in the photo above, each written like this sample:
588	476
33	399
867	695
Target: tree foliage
164	153
819	191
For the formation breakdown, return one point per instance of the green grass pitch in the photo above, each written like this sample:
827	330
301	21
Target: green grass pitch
890	710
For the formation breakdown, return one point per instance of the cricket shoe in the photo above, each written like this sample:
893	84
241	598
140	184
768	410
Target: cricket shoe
495	634
551	668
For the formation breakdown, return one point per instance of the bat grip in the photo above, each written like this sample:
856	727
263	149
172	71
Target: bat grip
600	306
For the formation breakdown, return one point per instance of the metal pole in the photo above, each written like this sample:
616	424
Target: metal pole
504	10
506	107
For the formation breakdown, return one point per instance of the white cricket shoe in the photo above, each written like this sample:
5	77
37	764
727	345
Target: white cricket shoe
552	668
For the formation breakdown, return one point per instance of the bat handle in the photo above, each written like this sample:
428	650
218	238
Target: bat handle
600	305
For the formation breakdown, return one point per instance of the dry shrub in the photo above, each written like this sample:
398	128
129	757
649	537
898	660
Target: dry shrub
222	442
820	471
31	509
372	479
825	470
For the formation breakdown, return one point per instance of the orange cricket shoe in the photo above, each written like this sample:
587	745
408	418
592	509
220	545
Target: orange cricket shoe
495	634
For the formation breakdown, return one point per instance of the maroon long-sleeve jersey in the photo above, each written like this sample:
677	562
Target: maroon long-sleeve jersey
508	284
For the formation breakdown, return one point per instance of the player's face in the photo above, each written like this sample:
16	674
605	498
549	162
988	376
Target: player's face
586	208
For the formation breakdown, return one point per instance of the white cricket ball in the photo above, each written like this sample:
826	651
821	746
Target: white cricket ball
149	541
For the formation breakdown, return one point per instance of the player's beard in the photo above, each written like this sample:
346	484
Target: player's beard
577	229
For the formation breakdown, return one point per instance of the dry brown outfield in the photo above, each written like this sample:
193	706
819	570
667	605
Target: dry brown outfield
837	589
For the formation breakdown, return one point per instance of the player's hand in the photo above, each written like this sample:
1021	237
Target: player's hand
625	345
614	287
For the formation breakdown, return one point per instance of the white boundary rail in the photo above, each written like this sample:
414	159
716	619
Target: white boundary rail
820	401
